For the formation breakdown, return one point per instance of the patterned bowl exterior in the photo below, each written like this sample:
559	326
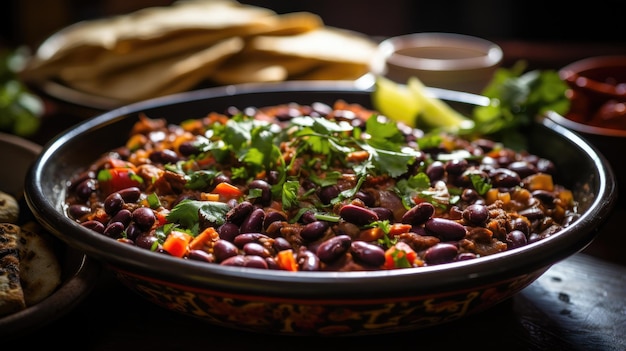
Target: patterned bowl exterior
323	317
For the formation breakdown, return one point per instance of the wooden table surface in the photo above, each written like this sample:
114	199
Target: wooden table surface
578	304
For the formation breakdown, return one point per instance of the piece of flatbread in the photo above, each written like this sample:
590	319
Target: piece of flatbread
40	268
96	48
325	53
161	77
11	293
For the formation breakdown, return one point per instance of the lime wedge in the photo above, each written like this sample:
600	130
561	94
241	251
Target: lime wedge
395	101
436	113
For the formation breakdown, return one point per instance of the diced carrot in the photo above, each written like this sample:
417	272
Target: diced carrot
227	191
540	181
209	197
117	163
399	228
286	260
207	235
357	156
177	243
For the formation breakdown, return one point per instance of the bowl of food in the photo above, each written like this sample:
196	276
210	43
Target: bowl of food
42	278
285	209
441	60
597	92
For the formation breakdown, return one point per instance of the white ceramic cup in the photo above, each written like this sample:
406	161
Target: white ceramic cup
442	60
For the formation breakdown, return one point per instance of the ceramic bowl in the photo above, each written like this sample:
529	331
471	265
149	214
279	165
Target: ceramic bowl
441	60
79	272
312	303
597	92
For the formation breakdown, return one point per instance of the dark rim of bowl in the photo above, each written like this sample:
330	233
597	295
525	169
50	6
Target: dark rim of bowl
484	270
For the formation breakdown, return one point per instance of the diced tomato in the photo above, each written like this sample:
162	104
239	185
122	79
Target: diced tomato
401	255
115	179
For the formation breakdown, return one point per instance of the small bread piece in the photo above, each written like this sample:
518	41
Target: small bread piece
40	269
9	208
11	293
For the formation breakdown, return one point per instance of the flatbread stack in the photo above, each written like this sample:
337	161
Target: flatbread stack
168	49
30	269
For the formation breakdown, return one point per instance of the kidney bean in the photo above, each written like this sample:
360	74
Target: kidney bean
456	166
505	178
221	178
131	194
418	214
81	177
435	171
440	253
188	148
328	193
333	248
256	249
271	263
124	216
223	249
281	244
77	211
367	197
476	214
164	156
245	261
515	239
144	217
546	197
308	217
113	203
383	213
94	225
522	224
85	188
266	191
522	168
273	216
307	261
367	253
532	213
133	231
445	229
314	230
228	231
146	241
254	222
357	214
201	255
244	238
239	213
546	166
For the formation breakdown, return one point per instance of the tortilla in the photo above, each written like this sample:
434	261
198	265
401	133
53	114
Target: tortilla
162	77
94	48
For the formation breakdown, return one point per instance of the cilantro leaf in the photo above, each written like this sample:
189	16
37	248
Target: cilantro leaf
187	213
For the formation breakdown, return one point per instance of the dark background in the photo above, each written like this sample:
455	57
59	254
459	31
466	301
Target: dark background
601	21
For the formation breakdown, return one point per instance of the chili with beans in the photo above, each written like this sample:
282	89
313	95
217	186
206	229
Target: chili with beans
316	188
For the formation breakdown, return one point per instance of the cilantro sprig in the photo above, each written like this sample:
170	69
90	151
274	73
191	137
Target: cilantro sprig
516	98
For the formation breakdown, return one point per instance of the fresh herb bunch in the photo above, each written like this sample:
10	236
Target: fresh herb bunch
517	97
20	109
